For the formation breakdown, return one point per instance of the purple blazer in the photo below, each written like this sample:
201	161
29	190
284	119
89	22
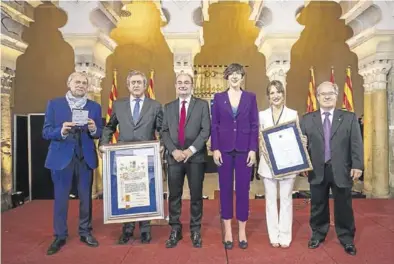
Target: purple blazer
238	133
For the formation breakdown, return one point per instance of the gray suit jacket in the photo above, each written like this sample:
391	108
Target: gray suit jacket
197	129
150	120
346	146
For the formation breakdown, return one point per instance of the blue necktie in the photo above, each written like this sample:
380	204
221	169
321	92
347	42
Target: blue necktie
136	111
327	136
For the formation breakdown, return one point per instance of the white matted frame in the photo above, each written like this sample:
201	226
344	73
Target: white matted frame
113	213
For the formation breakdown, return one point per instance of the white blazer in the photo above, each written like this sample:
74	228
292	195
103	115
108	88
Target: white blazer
265	118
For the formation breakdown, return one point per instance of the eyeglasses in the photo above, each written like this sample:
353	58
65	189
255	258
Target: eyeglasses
185	83
327	94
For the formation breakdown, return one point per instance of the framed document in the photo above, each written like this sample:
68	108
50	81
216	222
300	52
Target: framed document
285	150
132	182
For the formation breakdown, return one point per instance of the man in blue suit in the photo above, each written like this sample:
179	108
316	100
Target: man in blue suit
72	153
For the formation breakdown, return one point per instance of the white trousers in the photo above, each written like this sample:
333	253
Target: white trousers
279	228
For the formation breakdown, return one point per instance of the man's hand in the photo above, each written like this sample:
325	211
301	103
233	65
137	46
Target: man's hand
251	160
178	155
355	174
66	128
161	149
304	174
91	125
187	153
304	140
217	157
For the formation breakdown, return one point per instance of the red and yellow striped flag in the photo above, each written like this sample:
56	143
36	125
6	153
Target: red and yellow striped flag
113	95
149	92
332	78
348	92
311	102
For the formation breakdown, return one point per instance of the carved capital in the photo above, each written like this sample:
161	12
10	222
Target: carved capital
7	79
277	70
183	61
375	74
95	75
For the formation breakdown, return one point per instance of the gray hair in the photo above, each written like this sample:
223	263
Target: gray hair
134	73
186	74
333	85
74	74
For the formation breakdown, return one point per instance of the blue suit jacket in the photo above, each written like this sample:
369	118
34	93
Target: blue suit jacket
61	150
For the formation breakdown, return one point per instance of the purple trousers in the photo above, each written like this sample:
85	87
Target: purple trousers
234	161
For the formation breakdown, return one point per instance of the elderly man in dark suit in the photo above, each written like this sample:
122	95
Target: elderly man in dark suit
335	146
138	118
186	129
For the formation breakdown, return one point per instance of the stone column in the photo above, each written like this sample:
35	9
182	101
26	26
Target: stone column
368	134
390	94
87	31
279	31
183	33
7	78
380	183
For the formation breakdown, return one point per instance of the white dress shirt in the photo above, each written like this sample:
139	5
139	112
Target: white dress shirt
331	116
132	103
186	105
187	99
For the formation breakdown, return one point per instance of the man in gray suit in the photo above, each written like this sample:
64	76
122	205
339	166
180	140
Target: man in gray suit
336	150
186	129
138	118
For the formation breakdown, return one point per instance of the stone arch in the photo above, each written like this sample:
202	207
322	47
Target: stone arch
265	18
141	46
369	18
322	44
237	44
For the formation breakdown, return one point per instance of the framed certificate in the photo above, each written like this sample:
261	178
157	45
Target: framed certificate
285	151
132	182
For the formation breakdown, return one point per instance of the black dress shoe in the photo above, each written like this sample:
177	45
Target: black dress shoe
175	237
228	244
124	238
89	240
243	244
314	243
196	239
350	249
146	237
56	246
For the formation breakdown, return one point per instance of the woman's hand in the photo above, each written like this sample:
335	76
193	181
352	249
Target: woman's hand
217	157
251	158
304	140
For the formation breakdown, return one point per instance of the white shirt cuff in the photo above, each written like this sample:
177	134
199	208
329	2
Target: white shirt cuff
92	133
193	149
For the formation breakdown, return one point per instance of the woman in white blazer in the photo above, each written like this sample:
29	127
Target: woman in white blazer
279	227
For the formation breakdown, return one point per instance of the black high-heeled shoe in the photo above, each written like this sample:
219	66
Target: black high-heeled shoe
243	244
228	244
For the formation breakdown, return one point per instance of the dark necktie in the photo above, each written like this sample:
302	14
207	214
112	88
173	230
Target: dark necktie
181	128
136	111
327	136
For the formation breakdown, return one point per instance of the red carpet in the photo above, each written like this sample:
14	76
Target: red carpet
27	233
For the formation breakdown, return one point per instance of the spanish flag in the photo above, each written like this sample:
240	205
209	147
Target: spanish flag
150	93
311	102
112	97
348	92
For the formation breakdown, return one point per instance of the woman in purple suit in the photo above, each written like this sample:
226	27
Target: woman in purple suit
234	142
